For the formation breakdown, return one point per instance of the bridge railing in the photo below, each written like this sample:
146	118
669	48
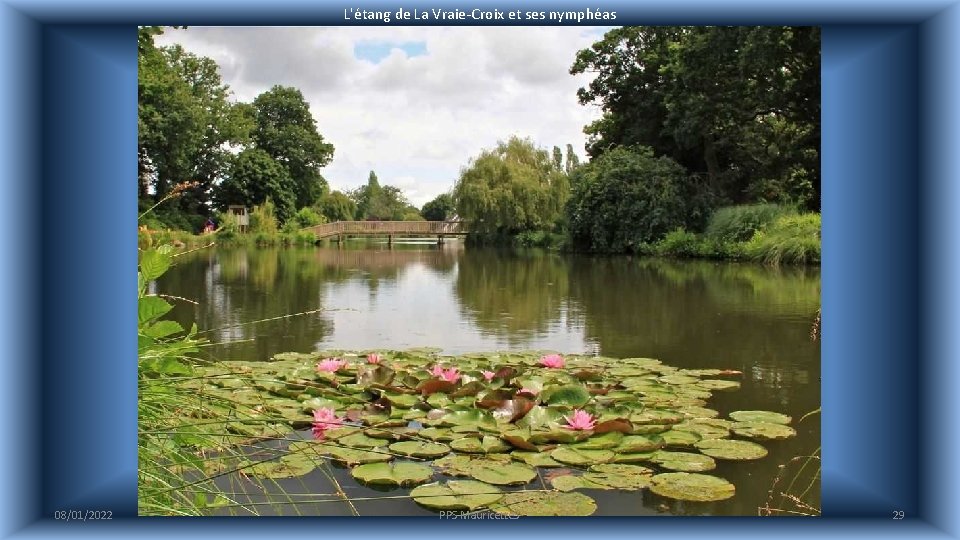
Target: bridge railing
388	227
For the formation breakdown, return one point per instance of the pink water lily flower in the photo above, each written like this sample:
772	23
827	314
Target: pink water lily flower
437	370
330	365
373	358
552	361
580	420
324	418
488	375
450	375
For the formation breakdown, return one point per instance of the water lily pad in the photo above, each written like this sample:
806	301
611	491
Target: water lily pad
601	442
692	487
633	457
657	416
639	443
456	495
536	459
573	395
289	466
319	451
608	476
768	417
359	440
544	503
576	456
732	450
486	445
392	474
676	437
679	379
698	412
499	472
706	428
683	461
437	434
420	449
763	431
717	385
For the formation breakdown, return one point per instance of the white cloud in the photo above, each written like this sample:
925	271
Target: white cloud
414	120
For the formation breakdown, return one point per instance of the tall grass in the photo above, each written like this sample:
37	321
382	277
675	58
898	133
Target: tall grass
738	223
793	239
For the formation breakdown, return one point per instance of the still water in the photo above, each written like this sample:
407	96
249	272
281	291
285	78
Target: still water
687	314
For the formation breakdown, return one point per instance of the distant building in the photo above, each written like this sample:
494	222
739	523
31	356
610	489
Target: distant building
241	215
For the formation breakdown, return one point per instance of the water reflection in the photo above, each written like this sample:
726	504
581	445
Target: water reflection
688	314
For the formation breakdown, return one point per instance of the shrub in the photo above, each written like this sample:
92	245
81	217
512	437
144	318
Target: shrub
791	239
738	223
679	243
263	218
306	217
628	197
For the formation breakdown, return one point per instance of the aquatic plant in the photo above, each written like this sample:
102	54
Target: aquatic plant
554	361
330	365
579	420
373	358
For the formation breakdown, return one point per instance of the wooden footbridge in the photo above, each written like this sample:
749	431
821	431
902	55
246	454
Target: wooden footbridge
344	229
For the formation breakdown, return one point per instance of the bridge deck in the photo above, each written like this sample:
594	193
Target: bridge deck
432	228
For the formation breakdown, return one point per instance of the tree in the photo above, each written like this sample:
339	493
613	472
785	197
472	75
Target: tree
382	203
337	206
185	122
627	197
512	188
253	178
439	209
286	130
738	106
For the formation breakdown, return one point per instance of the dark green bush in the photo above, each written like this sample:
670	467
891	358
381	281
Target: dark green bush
628	197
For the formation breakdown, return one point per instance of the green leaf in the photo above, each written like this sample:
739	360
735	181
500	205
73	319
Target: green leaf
162	329
153	264
692	487
456	495
150	308
733	450
544	503
761	416
573	395
392	474
420	449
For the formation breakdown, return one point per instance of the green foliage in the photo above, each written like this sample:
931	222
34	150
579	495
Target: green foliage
439	209
792	239
512	188
679	243
255	177
185	122
307	217
382	203
287	132
627	198
739	106
738	223
263	220
337	206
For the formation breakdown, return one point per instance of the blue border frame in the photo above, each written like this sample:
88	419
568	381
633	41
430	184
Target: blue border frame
891	302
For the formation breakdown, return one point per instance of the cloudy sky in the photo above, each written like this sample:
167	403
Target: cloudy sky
413	104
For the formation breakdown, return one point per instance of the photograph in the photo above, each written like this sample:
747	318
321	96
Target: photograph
478	272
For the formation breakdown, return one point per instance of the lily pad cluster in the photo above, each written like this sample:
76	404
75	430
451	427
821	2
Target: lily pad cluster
461	429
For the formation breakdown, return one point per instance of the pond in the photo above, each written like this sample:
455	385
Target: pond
688	314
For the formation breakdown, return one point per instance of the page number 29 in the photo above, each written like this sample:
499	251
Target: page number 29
898	514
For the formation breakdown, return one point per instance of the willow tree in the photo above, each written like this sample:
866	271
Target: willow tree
510	189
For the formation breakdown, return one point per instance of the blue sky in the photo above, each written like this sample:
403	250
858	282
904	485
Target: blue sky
375	51
414	104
